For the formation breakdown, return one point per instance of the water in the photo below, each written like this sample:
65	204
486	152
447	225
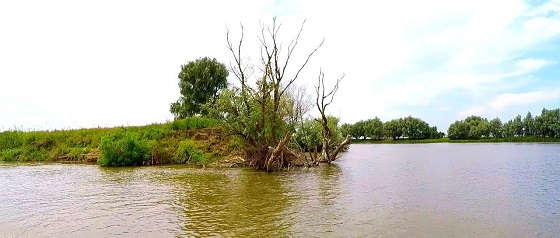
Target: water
460	190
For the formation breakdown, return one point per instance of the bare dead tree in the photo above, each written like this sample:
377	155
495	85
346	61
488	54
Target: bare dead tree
323	99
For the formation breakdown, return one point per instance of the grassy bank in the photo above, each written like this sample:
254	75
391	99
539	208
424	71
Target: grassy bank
191	140
447	140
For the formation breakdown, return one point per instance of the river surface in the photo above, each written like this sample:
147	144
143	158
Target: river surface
422	190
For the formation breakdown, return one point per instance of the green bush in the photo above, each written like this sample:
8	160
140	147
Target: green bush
193	123
309	137
10	139
10	154
188	152
123	149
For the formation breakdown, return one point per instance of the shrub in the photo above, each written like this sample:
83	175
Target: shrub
123	149
188	152
308	135
10	154
10	139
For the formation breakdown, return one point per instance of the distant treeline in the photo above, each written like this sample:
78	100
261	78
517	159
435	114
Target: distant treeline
545	125
408	127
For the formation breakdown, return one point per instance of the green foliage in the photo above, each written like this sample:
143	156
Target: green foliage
346	129
495	128
548	123
11	139
123	148
193	123
47	145
10	154
258	127
545	125
373	128
358	130
188	152
408	127
199	83
393	128
309	137
75	144
472	127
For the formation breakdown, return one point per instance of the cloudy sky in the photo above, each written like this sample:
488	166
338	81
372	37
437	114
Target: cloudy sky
69	64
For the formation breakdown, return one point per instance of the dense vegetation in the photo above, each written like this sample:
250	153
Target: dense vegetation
546	125
199	83
402	128
121	146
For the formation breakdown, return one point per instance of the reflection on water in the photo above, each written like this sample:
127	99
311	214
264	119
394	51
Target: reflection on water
461	190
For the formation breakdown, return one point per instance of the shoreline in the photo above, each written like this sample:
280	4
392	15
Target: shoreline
447	140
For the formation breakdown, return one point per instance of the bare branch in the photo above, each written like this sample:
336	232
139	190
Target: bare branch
303	66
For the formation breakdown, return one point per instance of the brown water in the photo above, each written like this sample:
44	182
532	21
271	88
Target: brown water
461	190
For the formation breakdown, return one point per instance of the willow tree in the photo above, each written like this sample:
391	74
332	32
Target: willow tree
265	106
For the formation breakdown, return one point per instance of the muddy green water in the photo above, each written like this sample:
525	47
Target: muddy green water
442	190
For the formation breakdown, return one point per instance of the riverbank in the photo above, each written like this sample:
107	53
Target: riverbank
196	141
447	140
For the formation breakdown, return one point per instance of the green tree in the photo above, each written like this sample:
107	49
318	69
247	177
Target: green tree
358	130
373	128
495	128
346	129
199	83
393	129
415	128
548	123
528	125
458	130
517	126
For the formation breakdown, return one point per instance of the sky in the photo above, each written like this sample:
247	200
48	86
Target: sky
72	64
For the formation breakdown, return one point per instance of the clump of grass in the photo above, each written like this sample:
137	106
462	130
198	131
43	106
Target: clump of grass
123	149
189	152
10	154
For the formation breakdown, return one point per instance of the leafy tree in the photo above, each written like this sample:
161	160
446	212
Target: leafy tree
358	130
415	128
458	130
548	123
509	129
393	129
346	129
517	126
528	125
199	82
373	128
495	128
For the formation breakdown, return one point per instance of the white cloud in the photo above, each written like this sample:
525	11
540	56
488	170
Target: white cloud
530	64
115	62
514	99
507	100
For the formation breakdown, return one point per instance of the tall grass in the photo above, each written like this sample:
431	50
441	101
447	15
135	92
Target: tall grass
73	144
